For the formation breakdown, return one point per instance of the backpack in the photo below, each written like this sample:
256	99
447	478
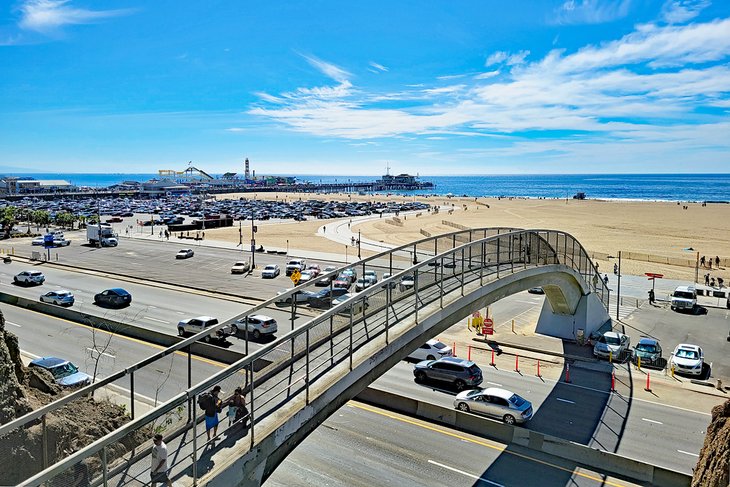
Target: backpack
205	400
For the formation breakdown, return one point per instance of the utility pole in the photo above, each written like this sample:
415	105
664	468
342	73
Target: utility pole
358	244
253	241
98	222
618	286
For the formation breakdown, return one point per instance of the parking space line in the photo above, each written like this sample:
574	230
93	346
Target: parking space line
565	400
494	384
155	319
14	324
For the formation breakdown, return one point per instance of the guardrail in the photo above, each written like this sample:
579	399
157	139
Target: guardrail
422	273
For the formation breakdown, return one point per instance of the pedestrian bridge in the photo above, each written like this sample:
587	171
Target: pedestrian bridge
295	382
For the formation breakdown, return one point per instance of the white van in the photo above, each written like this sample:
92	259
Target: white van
684	298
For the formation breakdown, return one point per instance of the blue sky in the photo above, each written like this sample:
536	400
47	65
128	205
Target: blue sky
330	87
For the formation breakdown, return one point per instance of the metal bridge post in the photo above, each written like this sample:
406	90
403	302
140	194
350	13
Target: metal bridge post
195	441
251	404
245	334
104	472
415	292
332	343
390	265
306	373
387	311
441	283
436	246
131	394
481	264
351	311
45	442
499	256
462	271
191	406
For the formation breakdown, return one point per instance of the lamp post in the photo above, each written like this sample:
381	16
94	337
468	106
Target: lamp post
346	254
287	249
358	244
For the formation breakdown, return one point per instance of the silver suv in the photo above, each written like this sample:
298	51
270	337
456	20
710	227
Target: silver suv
257	325
456	371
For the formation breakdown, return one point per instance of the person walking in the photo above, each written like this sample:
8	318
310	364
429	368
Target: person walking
615	269
605	279
212	405
702	261
717	261
651	296
707	279
158	467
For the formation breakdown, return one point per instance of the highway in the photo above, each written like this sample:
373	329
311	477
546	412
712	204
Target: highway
587	413
362	446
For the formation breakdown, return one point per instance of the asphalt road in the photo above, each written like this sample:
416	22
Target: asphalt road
586	412
362	446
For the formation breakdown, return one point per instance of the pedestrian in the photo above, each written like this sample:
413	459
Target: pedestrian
709	263
212	405
203	236
605	279
702	261
707	279
717	261
720	282
324	229
237	410
712	282
651	296
160	233
158	467
615	269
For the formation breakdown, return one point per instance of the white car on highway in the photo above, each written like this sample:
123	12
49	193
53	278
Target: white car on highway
29	277
61	297
184	254
257	325
431	350
687	359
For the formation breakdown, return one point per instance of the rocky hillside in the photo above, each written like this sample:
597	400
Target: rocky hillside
24	389
713	467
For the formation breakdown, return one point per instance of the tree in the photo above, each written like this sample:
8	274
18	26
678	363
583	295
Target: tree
8	219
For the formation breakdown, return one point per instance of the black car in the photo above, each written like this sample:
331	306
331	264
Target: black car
113	298
323	299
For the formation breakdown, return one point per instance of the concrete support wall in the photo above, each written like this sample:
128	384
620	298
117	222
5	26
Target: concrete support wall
589	315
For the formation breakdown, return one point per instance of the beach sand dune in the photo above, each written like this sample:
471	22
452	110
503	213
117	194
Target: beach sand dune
661	229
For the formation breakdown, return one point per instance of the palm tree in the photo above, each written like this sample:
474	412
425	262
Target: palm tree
8	219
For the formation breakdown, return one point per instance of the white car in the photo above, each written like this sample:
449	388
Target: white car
270	271
193	326
406	283
362	284
61	242
431	350
493	401
306	276
38	241
687	359
358	307
371	276
257	325
109	242
184	254
298	297
386	276
61	297
612	344
240	267
29	277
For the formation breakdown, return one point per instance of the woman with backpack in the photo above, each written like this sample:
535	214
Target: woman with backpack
237	404
212	405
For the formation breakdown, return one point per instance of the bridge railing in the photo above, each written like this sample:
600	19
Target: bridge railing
292	369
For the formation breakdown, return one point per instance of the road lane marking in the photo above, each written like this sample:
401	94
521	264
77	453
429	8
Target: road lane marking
651	421
494	384
93	350
14	324
688	453
155	319
565	400
500	448
466	474
131	339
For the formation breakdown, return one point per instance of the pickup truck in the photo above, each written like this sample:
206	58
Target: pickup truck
295	264
193	326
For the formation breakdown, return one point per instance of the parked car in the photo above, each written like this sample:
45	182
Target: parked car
184	254
323	299
359	304
349	274
193	326
393	284
29	277
257	325
295	265
38	241
612	343
536	290
684	298
314	269
362	284
688	359
113	298
456	371
240	267
371	276
61	242
298	297
65	373
342	282
498	403
61	298
270	271
407	282
306	276
431	350
649	350
325	281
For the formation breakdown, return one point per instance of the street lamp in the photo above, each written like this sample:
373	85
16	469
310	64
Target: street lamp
287	248
346	254
358	244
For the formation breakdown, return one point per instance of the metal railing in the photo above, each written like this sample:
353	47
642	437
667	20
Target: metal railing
430	271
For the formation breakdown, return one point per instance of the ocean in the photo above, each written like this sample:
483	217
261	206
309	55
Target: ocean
654	187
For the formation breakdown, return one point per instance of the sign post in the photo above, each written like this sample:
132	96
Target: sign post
48	243
488	326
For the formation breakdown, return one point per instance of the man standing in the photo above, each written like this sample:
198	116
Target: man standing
212	407
158	468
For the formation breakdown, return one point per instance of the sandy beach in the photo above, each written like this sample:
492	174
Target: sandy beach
659	229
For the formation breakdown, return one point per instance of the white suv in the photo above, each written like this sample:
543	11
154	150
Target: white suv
257	325
29	277
684	298
295	264
193	326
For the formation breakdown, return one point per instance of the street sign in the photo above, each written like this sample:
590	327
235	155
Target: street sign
48	240
295	276
488	326
653	275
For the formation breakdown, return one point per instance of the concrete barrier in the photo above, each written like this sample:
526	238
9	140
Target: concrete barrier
599	460
119	328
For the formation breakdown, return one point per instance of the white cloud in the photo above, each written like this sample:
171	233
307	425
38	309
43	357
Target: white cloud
48	16
329	69
496	58
377	66
517	58
658	85
591	11
680	11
